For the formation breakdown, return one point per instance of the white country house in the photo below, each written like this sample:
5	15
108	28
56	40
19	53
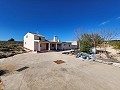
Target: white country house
36	42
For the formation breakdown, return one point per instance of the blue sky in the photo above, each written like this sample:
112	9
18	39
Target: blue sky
57	17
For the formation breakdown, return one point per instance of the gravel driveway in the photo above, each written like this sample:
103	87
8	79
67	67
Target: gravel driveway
44	74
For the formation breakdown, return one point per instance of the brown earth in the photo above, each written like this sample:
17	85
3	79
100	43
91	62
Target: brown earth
59	61
1	85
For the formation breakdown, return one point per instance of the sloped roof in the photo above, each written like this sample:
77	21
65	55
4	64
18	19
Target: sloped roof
36	34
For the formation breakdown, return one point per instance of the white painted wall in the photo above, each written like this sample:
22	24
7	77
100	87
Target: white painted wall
74	44
29	41
59	46
55	39
66	46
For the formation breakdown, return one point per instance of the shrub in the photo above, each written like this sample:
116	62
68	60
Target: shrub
85	48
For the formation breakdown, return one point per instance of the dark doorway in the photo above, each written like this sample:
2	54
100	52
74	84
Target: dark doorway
47	45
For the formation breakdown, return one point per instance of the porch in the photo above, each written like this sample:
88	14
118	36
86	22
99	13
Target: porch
43	46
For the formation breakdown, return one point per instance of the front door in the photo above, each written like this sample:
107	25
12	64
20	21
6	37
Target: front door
47	46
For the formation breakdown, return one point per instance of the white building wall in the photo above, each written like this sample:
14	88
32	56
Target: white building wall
59	46
74	44
55	39
29	41
66	46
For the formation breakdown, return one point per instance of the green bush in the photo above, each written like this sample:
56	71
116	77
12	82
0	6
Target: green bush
85	48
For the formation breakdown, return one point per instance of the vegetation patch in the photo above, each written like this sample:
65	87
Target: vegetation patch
115	44
10	48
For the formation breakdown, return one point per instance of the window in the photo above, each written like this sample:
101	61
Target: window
25	42
40	38
69	45
27	36
64	44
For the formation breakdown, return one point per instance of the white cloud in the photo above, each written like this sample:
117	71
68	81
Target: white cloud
103	23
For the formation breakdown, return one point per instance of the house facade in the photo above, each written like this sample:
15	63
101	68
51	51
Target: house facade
36	42
66	45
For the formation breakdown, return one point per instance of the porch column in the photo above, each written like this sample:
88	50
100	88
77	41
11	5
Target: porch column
49	47
39	48
56	46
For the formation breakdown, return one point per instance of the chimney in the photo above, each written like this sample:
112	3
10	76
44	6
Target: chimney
55	39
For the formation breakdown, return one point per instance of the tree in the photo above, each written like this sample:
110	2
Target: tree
96	39
88	41
11	39
78	35
107	36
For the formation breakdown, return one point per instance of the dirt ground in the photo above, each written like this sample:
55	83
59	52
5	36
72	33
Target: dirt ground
1	85
112	52
44	74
